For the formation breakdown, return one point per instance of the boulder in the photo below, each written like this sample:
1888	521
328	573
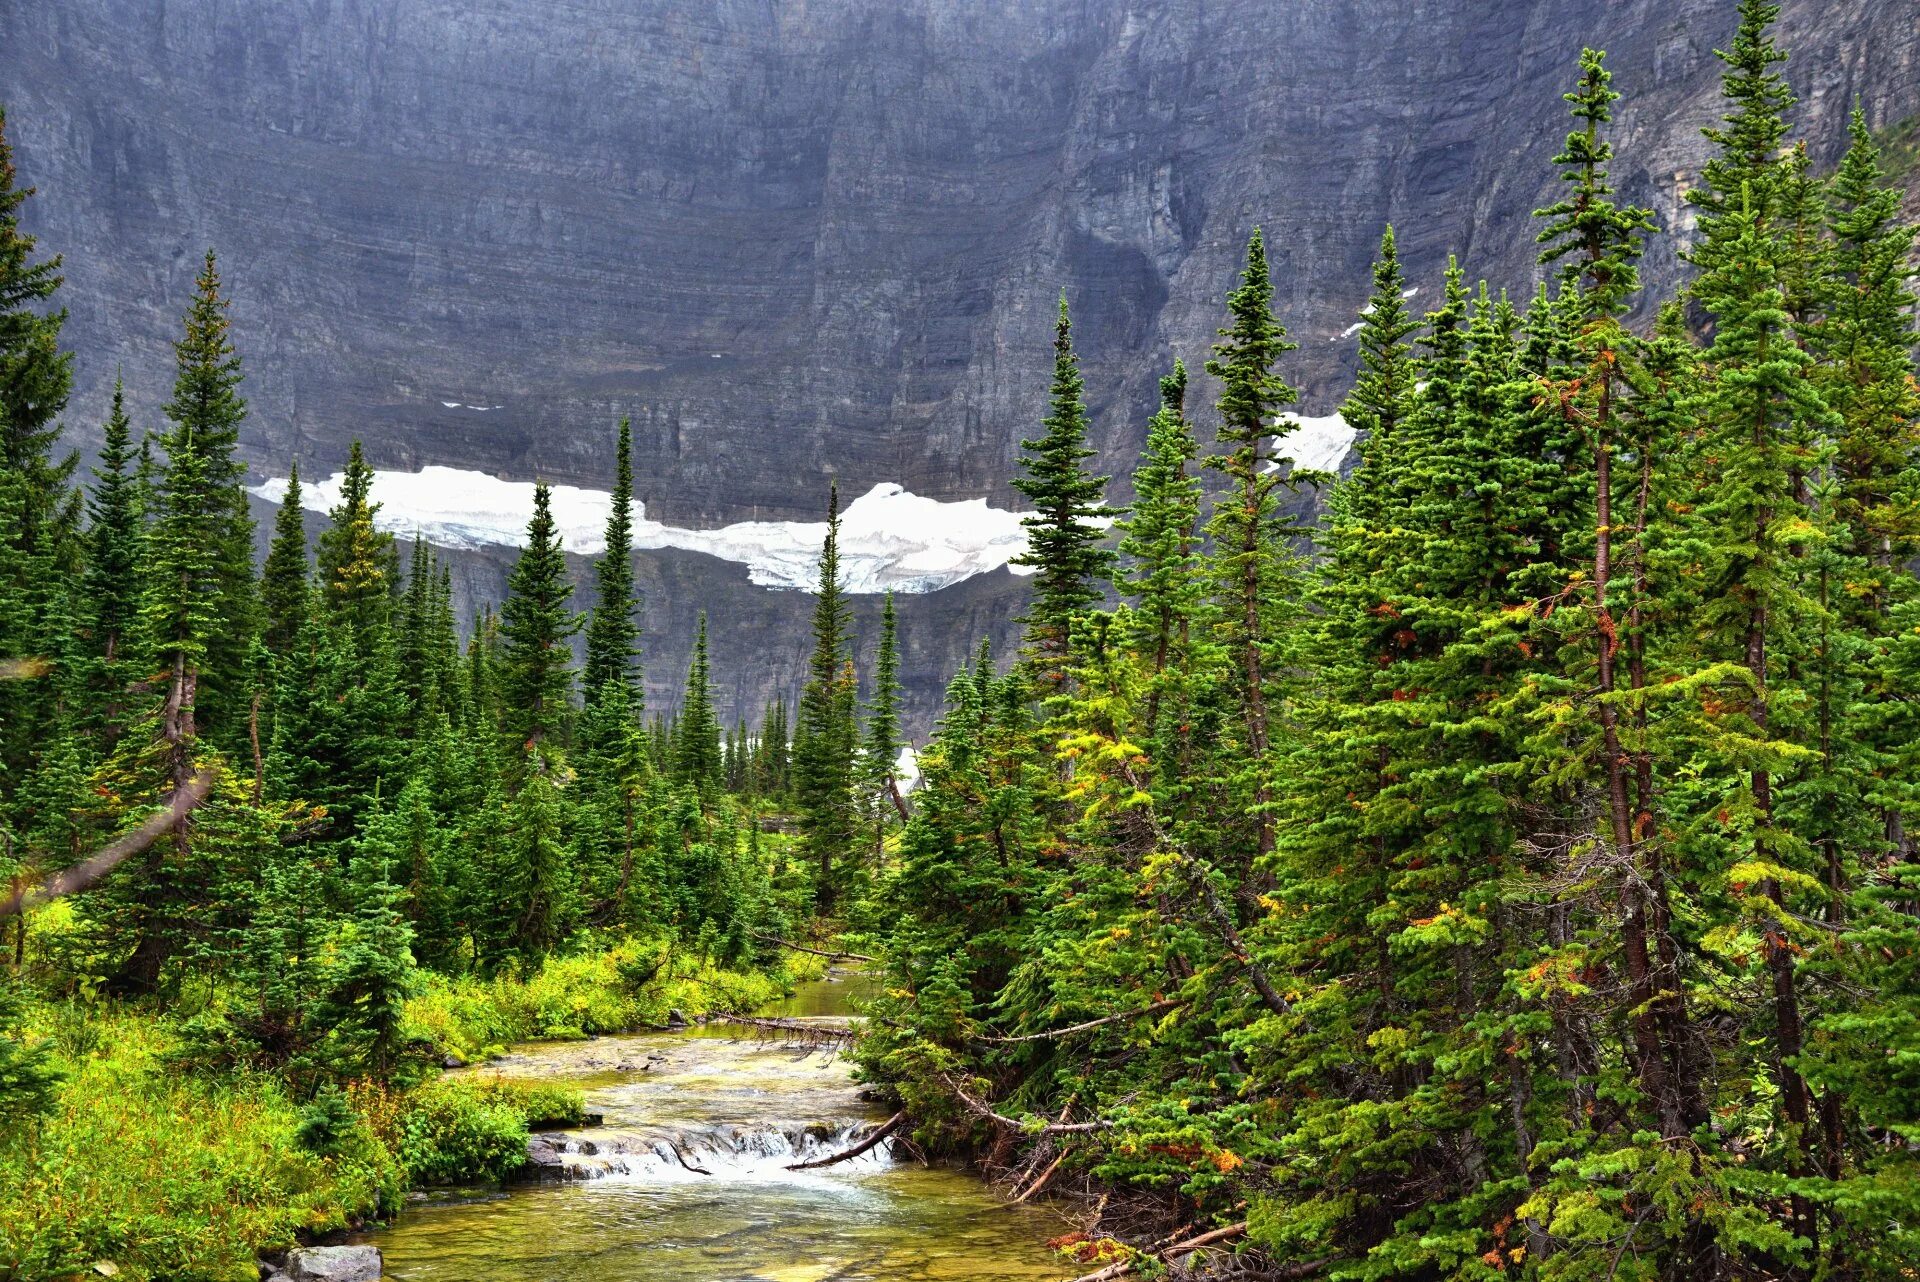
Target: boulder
334	1264
543	1159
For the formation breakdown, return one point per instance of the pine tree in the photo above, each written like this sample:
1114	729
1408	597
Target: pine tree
206	412
881	744
1065	531
113	565
1252	563
284	589
536	682
372	969
1741	179
612	637
1160	547
358	565
34	380
823	741
696	748
1382	395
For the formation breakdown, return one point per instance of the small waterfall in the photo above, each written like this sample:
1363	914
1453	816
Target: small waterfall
729	1153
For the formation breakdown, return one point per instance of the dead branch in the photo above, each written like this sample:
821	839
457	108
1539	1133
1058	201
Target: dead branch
1041	1183
879	1133
979	1108
1155	1009
110	856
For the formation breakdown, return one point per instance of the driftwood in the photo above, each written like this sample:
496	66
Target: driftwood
1155	1009
793	1030
1192	1244
682	1159
879	1133
114	853
1041	1183
802	948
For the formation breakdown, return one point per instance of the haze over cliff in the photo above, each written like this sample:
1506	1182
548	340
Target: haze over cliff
794	239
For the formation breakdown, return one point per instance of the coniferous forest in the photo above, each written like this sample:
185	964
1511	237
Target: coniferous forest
1498	863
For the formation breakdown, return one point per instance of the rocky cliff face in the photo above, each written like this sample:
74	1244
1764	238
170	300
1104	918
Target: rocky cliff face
792	237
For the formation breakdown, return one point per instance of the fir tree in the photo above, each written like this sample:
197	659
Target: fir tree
284	589
359	567
1252	563
1741	178
113	564
696	747
536	684
1065	531
612	637
206	413
824	738
34	380
881	744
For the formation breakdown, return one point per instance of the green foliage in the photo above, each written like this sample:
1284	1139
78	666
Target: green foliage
1066	531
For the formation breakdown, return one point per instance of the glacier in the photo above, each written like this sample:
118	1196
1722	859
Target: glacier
890	539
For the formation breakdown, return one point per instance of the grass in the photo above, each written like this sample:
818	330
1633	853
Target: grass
633	984
164	1175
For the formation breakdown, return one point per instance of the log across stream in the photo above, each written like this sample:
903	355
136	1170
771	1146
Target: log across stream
687	1178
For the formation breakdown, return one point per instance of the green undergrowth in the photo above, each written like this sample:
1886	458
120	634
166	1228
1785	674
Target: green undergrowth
632	985
165	1174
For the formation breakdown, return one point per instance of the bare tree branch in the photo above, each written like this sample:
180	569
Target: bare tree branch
114	853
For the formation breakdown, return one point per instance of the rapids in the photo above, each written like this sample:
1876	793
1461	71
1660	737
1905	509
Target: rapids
740	1109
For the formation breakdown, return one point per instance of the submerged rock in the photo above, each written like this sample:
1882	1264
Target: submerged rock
334	1264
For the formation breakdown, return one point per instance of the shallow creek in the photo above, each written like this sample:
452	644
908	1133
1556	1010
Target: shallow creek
740	1110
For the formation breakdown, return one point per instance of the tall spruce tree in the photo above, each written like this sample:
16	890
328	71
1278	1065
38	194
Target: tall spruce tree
612	637
34	380
206	413
358	564
824	737
1741	179
1253	562
114	552
696	749
536	679
1065	531
285	591
881	744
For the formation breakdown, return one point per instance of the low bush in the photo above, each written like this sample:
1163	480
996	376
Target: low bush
170	1176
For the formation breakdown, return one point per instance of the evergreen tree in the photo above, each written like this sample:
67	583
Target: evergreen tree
359	567
113	565
824	738
206	412
34	380
1741	179
1065	531
536	682
881	746
612	637
1252	563
696	747
284	590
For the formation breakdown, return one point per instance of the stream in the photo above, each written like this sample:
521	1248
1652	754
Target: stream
739	1109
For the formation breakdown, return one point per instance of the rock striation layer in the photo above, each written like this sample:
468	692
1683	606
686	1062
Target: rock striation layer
793	237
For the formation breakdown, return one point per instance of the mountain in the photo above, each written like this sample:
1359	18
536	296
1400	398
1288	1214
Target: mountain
800	237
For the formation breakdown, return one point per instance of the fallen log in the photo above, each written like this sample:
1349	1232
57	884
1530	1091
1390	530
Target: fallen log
1040	1183
793	1030
1155	1009
879	1133
802	948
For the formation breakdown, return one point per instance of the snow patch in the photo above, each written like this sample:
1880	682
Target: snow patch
889	538
1317	443
1351	330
